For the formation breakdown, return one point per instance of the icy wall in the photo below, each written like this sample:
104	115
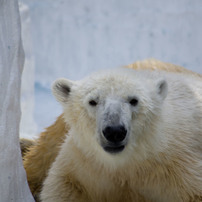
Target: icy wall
28	125
72	38
13	184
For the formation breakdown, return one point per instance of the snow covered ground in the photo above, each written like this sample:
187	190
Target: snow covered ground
73	38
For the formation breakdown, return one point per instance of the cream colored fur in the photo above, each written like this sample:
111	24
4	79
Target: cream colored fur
162	160
40	157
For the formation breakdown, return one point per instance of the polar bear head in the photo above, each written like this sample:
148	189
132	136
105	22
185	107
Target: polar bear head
113	112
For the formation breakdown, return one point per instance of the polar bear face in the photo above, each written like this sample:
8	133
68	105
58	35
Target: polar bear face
111	111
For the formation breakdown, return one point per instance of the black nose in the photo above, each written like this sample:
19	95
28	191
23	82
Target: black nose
115	134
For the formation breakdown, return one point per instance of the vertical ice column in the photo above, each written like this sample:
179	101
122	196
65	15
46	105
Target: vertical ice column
28	127
13	184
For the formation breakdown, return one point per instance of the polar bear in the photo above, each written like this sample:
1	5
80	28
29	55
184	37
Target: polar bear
134	136
42	152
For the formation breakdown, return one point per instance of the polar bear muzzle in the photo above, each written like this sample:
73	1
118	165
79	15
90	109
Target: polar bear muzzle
114	138
113	120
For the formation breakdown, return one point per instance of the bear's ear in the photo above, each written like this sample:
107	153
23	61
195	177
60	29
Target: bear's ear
162	88
61	89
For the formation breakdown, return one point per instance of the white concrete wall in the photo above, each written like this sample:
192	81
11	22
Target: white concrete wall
72	38
13	184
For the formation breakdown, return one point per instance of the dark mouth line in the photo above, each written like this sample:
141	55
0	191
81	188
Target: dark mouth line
114	149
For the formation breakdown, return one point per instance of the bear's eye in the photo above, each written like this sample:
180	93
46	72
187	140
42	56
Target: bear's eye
92	103
133	102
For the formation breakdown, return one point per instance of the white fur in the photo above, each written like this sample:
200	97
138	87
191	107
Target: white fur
163	129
